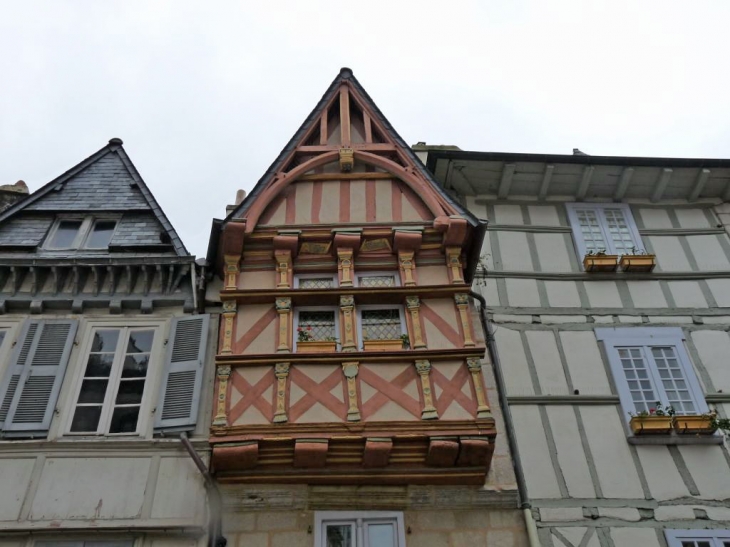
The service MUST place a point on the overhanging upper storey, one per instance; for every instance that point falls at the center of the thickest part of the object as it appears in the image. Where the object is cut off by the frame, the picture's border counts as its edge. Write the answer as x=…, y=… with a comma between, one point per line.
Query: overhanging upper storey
x=347, y=351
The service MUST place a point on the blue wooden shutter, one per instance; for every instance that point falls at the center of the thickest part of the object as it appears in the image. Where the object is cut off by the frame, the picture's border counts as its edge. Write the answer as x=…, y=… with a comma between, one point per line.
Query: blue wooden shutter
x=33, y=381
x=179, y=399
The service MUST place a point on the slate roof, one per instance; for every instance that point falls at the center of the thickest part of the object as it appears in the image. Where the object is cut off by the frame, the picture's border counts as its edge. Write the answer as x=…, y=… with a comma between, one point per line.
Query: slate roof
x=105, y=181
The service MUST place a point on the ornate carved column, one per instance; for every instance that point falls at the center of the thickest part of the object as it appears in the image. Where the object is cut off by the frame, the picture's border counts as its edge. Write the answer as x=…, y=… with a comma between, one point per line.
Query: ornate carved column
x=283, y=308
x=453, y=262
x=230, y=308
x=475, y=367
x=223, y=373
x=283, y=269
x=232, y=270
x=423, y=367
x=281, y=370
x=417, y=341
x=347, y=317
x=345, y=267
x=350, y=370
x=462, y=304
x=407, y=266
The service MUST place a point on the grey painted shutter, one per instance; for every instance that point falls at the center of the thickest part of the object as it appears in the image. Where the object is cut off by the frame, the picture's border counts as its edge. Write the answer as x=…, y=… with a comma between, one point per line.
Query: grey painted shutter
x=35, y=376
x=177, y=406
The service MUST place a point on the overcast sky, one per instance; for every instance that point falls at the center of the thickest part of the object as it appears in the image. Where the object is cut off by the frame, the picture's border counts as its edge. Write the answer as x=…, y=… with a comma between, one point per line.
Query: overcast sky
x=205, y=94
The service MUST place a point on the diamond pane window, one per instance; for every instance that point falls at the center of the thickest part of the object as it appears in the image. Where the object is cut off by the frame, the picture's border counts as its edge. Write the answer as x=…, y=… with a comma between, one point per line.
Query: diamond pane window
x=381, y=324
x=320, y=324
x=377, y=280
x=316, y=283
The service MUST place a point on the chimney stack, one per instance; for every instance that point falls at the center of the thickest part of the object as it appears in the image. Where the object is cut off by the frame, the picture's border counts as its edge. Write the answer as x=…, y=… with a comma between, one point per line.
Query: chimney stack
x=10, y=193
x=240, y=195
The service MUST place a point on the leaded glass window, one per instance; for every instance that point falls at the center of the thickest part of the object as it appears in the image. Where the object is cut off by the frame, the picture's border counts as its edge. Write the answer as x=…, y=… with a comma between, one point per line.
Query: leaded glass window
x=377, y=280
x=381, y=324
x=324, y=282
x=318, y=324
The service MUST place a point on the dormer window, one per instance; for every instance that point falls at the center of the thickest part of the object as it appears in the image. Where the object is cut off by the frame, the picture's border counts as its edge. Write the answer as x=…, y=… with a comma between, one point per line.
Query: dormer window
x=81, y=233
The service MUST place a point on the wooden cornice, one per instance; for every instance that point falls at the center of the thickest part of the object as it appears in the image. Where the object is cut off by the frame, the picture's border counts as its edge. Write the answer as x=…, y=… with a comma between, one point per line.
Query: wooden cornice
x=362, y=295
x=359, y=356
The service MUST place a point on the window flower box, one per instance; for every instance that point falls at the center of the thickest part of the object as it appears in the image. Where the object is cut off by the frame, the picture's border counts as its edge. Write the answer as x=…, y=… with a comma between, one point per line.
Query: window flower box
x=317, y=346
x=651, y=425
x=695, y=425
x=637, y=263
x=600, y=263
x=383, y=345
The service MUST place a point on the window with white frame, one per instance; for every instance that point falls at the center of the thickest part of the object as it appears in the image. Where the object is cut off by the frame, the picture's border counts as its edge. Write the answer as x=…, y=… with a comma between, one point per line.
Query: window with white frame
x=315, y=281
x=114, y=380
x=359, y=529
x=381, y=322
x=316, y=324
x=377, y=279
x=651, y=365
x=80, y=232
x=698, y=538
x=603, y=227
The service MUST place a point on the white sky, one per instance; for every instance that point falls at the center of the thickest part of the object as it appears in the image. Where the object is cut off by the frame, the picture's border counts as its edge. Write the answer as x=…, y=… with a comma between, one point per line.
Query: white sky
x=206, y=94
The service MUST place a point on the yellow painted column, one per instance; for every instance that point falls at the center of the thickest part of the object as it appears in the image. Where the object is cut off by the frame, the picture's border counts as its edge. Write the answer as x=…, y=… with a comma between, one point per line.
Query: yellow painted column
x=281, y=371
x=283, y=269
x=423, y=367
x=230, y=308
x=462, y=304
x=475, y=368
x=453, y=262
x=413, y=304
x=407, y=266
x=347, y=317
x=345, y=267
x=350, y=370
x=232, y=269
x=283, y=309
x=223, y=373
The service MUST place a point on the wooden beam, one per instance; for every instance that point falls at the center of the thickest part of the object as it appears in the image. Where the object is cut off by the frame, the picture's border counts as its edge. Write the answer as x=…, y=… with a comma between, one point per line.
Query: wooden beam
x=329, y=147
x=504, y=184
x=323, y=127
x=702, y=177
x=347, y=176
x=585, y=182
x=545, y=184
x=368, y=127
x=623, y=183
x=661, y=185
x=345, y=116
x=458, y=171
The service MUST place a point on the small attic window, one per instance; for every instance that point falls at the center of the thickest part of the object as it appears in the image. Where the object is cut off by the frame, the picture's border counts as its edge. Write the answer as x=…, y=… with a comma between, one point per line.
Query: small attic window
x=101, y=234
x=76, y=233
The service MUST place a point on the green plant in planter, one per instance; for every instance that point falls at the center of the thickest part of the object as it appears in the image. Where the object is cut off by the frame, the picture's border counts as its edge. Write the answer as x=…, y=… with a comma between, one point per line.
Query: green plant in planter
x=406, y=341
x=723, y=424
x=598, y=252
x=658, y=410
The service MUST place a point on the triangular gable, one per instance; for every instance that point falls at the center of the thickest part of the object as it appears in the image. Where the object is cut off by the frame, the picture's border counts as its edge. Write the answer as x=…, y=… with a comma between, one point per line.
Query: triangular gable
x=105, y=181
x=357, y=125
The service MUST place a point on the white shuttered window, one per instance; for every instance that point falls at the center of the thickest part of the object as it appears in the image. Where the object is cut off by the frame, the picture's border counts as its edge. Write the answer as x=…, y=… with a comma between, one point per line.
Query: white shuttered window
x=359, y=529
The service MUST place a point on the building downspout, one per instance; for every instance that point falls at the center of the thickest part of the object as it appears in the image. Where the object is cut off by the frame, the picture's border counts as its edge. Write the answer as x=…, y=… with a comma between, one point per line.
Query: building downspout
x=508, y=423
x=215, y=500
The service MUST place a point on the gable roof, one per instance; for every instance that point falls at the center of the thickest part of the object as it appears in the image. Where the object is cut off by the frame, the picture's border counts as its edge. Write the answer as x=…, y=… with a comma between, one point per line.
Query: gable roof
x=105, y=181
x=345, y=75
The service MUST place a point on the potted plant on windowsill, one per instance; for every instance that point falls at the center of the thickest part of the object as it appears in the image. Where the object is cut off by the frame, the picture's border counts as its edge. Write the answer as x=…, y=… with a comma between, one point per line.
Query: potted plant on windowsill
x=701, y=424
x=655, y=421
x=599, y=261
x=638, y=261
x=307, y=344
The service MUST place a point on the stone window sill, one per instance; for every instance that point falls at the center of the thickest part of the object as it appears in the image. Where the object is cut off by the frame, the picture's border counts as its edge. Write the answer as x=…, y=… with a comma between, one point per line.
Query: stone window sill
x=675, y=439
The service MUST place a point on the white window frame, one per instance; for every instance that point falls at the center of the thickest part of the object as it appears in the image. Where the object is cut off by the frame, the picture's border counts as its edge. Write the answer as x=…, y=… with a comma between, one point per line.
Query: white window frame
x=87, y=225
x=154, y=369
x=298, y=277
x=357, y=519
x=580, y=245
x=395, y=275
x=334, y=309
x=675, y=537
x=613, y=338
x=403, y=327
